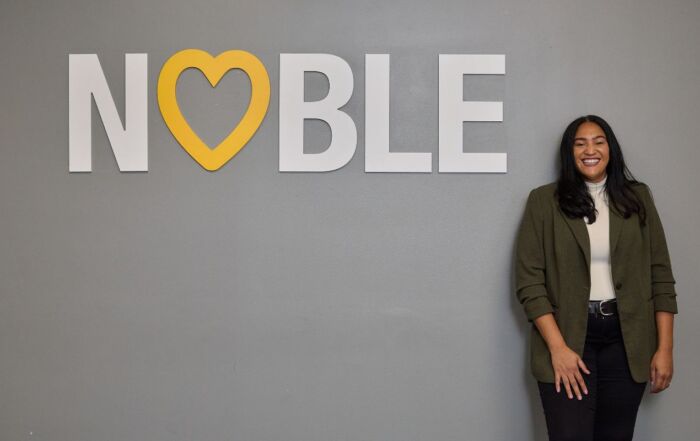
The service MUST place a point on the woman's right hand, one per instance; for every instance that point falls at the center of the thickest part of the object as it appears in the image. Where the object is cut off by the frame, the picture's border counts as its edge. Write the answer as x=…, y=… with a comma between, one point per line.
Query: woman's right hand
x=566, y=364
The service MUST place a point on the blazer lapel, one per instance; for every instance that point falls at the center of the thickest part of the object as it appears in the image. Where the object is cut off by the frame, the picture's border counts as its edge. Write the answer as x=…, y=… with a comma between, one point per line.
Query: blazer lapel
x=616, y=221
x=580, y=231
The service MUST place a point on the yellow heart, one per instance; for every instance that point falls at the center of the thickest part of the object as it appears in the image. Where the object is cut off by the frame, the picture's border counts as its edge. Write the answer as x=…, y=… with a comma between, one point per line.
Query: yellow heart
x=213, y=69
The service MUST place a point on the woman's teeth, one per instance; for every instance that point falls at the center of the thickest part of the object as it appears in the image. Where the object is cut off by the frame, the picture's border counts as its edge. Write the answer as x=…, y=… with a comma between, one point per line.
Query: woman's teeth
x=590, y=162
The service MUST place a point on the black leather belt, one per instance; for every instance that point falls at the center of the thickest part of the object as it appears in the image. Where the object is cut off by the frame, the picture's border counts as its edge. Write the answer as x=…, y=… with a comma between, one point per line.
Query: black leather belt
x=602, y=308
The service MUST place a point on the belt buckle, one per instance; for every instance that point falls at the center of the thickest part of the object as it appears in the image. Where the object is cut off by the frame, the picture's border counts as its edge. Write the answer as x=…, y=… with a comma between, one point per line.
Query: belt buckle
x=601, y=307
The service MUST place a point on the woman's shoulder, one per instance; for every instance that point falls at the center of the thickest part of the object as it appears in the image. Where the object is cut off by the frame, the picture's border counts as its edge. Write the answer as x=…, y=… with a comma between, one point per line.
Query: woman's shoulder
x=545, y=190
x=641, y=189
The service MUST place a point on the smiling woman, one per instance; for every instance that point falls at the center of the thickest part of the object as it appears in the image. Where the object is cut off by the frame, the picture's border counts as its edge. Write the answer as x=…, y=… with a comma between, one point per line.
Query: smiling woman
x=591, y=151
x=601, y=302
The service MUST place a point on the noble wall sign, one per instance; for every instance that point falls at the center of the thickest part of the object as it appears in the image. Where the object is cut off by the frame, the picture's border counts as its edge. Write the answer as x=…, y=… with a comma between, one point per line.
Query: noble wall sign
x=129, y=140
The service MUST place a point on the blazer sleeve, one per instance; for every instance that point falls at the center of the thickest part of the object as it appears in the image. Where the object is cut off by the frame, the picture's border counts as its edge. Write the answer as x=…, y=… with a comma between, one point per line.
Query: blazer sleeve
x=530, y=286
x=662, y=282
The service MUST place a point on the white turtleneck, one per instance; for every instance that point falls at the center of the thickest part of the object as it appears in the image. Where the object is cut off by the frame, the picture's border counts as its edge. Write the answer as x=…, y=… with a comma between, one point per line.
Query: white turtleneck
x=599, y=236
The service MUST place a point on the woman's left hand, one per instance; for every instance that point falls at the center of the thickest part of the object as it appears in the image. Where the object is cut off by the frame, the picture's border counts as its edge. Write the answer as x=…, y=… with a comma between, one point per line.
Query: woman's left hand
x=661, y=370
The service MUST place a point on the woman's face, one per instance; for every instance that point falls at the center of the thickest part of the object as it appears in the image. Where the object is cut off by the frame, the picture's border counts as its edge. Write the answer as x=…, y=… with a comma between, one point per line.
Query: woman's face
x=591, y=152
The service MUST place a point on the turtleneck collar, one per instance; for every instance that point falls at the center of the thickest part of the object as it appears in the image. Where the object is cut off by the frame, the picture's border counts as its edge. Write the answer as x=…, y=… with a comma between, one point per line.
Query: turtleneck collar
x=596, y=189
x=596, y=185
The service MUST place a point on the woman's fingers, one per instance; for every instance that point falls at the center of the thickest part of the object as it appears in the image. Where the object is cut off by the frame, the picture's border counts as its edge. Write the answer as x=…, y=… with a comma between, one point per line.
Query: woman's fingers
x=567, y=386
x=660, y=379
x=582, y=383
x=657, y=386
x=567, y=366
x=574, y=384
x=654, y=380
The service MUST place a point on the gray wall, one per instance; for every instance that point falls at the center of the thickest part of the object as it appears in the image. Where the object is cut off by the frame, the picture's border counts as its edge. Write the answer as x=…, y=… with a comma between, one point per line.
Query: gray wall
x=250, y=304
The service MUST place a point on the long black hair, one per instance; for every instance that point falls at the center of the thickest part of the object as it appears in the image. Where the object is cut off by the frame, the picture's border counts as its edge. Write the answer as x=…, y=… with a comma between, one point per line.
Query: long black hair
x=572, y=192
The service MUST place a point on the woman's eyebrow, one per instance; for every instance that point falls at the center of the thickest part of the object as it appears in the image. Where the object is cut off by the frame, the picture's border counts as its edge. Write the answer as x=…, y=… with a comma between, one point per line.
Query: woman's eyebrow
x=583, y=139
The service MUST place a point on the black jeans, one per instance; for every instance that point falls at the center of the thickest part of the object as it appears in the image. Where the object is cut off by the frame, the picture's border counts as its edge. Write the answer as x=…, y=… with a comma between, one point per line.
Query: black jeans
x=609, y=411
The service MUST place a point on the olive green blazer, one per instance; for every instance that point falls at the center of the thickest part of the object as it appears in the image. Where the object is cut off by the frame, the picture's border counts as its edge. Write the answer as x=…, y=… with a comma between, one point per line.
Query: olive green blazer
x=553, y=275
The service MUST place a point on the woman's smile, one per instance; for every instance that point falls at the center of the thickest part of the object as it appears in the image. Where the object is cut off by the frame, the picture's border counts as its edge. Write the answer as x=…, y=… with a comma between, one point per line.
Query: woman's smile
x=591, y=151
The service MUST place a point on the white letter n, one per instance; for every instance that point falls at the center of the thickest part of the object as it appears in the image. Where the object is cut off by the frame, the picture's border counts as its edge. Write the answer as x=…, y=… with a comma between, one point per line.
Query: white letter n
x=130, y=140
